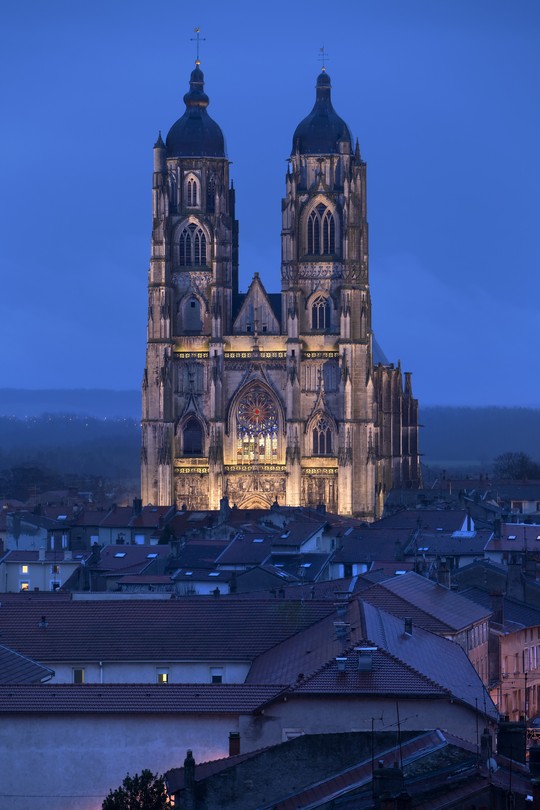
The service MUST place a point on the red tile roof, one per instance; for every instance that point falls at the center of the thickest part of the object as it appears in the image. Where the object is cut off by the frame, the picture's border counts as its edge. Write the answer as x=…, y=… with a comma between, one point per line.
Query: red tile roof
x=190, y=628
x=134, y=698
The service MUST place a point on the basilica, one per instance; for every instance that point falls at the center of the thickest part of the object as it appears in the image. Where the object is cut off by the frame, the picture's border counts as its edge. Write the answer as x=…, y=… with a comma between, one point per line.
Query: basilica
x=266, y=397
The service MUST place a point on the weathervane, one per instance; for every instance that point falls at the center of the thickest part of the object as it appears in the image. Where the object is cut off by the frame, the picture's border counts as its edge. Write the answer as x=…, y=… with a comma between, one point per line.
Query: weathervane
x=323, y=57
x=197, y=39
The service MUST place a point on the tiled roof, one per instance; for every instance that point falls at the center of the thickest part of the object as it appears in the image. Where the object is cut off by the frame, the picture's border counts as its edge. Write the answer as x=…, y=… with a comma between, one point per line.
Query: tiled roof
x=134, y=698
x=388, y=676
x=17, y=668
x=517, y=612
x=455, y=543
x=252, y=549
x=198, y=553
x=28, y=556
x=151, y=517
x=368, y=544
x=441, y=661
x=446, y=607
x=117, y=517
x=191, y=628
x=445, y=519
x=132, y=559
x=307, y=652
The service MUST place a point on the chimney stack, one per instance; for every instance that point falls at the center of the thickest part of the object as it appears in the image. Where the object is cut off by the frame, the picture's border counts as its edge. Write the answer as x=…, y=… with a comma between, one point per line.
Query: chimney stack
x=407, y=629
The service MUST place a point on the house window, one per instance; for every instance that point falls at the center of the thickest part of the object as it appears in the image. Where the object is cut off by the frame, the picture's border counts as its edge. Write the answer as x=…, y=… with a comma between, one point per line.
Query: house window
x=55, y=584
x=24, y=586
x=54, y=569
x=322, y=438
x=216, y=675
x=321, y=232
x=162, y=675
x=24, y=569
x=320, y=314
x=192, y=246
x=78, y=675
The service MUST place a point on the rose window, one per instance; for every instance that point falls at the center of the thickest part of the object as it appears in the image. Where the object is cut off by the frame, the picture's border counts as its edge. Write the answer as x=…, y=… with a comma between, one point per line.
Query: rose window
x=256, y=428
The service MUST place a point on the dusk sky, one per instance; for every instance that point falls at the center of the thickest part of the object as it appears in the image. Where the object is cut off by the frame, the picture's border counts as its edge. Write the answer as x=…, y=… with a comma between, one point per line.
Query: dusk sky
x=443, y=96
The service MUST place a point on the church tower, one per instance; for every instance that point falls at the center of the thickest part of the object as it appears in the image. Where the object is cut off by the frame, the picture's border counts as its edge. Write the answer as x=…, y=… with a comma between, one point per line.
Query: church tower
x=268, y=397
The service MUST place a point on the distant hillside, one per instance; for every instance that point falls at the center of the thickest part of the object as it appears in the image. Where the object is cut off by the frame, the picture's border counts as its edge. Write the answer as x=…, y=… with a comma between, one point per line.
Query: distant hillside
x=101, y=404
x=450, y=436
x=475, y=436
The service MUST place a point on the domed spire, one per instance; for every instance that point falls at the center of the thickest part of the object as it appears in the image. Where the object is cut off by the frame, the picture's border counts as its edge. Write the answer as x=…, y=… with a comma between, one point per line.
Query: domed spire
x=195, y=134
x=321, y=132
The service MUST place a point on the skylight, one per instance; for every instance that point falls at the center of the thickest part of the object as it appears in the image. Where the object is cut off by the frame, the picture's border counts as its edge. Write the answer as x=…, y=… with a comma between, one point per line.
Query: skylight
x=151, y=556
x=188, y=573
x=258, y=540
x=120, y=554
x=214, y=573
x=512, y=537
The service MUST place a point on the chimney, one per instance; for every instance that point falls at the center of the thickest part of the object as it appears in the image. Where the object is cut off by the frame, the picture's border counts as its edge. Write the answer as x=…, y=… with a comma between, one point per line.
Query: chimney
x=407, y=629
x=497, y=607
x=365, y=658
x=68, y=555
x=515, y=586
x=341, y=662
x=136, y=507
x=486, y=746
x=41, y=554
x=469, y=522
x=234, y=743
x=189, y=782
x=443, y=574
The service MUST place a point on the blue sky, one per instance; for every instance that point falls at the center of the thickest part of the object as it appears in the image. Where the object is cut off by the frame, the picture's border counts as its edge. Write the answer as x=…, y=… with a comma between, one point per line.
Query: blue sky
x=443, y=97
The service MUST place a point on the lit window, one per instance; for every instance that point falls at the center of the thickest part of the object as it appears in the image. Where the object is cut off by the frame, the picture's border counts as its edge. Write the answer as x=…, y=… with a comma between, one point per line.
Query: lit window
x=162, y=675
x=24, y=569
x=78, y=675
x=25, y=586
x=256, y=427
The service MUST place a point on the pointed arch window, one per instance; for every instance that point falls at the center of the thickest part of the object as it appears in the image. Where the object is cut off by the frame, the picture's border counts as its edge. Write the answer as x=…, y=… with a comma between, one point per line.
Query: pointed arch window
x=320, y=314
x=321, y=232
x=192, y=438
x=211, y=195
x=322, y=437
x=192, y=246
x=256, y=427
x=192, y=192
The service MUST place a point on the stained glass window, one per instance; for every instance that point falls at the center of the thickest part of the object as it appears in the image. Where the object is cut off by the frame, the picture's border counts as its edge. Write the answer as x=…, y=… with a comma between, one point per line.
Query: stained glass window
x=256, y=427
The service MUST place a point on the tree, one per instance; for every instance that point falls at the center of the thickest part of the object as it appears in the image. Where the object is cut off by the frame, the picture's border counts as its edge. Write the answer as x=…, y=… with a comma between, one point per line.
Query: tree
x=140, y=792
x=517, y=466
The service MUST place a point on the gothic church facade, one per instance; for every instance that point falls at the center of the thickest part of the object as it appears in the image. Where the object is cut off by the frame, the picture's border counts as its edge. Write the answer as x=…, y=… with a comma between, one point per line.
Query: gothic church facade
x=268, y=397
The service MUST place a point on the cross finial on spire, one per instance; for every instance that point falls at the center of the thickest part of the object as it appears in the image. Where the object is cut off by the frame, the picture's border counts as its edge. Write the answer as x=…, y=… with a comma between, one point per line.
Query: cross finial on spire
x=198, y=39
x=323, y=57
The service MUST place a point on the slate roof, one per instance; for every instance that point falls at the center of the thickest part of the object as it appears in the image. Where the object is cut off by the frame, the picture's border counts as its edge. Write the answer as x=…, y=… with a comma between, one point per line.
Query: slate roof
x=449, y=520
x=441, y=661
x=17, y=668
x=134, y=559
x=451, y=543
x=191, y=628
x=368, y=544
x=517, y=612
x=134, y=698
x=247, y=550
x=307, y=652
x=430, y=605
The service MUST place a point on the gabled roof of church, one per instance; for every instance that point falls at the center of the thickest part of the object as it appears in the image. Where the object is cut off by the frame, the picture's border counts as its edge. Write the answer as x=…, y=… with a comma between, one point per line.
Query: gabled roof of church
x=241, y=300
